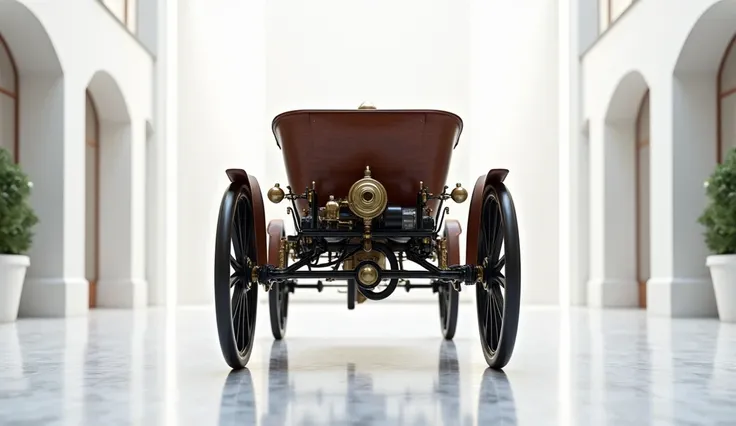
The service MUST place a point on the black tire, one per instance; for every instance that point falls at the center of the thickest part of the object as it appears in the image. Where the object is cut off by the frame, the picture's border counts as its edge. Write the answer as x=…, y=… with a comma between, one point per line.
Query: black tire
x=449, y=299
x=352, y=294
x=278, y=306
x=236, y=299
x=499, y=295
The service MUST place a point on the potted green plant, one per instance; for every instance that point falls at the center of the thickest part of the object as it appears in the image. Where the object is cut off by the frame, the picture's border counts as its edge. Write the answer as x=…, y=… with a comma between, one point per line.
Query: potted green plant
x=719, y=219
x=17, y=219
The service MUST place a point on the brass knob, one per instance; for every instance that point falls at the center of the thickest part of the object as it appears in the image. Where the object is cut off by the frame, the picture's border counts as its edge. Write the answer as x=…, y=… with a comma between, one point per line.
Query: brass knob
x=276, y=194
x=368, y=275
x=332, y=209
x=459, y=194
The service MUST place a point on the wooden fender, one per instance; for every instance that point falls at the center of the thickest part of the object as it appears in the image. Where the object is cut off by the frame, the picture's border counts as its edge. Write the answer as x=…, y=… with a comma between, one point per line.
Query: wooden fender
x=476, y=204
x=240, y=177
x=275, y=234
x=452, y=235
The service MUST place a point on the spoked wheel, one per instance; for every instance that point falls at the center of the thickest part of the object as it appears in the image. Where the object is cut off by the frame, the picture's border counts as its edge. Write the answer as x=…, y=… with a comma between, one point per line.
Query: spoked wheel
x=498, y=295
x=236, y=298
x=449, y=297
x=278, y=296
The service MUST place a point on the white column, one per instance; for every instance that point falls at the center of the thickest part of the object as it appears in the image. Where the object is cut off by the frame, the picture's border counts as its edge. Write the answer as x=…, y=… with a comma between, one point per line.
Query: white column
x=683, y=155
x=52, y=153
x=167, y=115
x=612, y=216
x=122, y=215
x=221, y=124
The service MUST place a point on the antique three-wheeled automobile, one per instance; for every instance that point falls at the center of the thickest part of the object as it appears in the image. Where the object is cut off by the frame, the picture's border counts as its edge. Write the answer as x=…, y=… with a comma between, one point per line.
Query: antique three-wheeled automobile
x=366, y=193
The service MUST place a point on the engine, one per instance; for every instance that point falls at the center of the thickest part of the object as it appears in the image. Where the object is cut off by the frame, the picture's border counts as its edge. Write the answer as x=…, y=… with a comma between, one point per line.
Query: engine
x=366, y=207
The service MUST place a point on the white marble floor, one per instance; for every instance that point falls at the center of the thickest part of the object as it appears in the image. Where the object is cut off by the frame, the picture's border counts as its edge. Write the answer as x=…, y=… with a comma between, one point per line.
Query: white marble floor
x=381, y=364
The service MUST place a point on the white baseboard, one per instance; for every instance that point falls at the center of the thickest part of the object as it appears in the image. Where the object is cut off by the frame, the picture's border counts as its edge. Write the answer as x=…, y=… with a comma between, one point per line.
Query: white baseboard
x=122, y=294
x=681, y=298
x=54, y=297
x=613, y=294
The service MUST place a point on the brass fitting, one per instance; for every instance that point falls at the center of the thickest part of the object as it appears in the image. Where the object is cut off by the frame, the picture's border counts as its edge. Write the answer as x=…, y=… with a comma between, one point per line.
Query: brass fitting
x=443, y=253
x=368, y=275
x=367, y=197
x=276, y=194
x=332, y=209
x=459, y=194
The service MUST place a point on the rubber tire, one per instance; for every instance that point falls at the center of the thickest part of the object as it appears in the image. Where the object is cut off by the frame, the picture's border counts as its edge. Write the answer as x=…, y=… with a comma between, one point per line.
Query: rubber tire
x=512, y=291
x=225, y=328
x=278, y=330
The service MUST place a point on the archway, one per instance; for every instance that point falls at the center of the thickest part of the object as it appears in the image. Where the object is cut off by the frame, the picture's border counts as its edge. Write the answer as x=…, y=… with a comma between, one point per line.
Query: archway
x=618, y=198
x=683, y=286
x=92, y=210
x=8, y=100
x=727, y=101
x=642, y=199
x=109, y=194
x=51, y=287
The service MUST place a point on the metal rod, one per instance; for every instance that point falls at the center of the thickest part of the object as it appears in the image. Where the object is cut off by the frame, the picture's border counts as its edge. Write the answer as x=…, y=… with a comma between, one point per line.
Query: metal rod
x=285, y=274
x=375, y=234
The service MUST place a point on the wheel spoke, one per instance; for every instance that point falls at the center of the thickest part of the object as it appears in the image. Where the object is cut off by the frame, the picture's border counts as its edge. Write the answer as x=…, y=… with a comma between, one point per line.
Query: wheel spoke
x=499, y=264
x=235, y=264
x=245, y=319
x=500, y=280
x=237, y=236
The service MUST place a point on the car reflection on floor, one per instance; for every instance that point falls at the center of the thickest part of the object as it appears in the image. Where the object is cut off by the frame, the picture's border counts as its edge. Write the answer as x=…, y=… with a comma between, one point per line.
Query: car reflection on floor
x=360, y=403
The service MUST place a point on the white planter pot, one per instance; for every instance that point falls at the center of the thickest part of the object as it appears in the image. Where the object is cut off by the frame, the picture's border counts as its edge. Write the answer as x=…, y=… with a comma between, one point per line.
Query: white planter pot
x=723, y=273
x=12, y=274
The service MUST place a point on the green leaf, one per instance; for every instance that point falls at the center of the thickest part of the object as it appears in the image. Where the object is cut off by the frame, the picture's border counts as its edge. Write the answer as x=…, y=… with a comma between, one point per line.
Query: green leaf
x=17, y=218
x=719, y=217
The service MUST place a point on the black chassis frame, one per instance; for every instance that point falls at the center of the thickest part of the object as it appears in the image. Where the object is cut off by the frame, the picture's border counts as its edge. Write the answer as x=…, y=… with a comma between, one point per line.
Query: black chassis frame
x=454, y=274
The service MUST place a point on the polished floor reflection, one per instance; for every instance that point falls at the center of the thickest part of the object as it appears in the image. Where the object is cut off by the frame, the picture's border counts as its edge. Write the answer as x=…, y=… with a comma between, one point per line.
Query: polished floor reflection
x=382, y=364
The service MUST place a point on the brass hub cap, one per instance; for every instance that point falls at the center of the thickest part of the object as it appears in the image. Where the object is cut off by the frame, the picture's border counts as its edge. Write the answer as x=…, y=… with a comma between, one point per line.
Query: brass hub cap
x=368, y=275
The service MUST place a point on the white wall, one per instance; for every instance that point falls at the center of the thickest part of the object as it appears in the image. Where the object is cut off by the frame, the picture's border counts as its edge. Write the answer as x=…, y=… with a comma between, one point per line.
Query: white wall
x=514, y=119
x=44, y=44
x=221, y=122
x=678, y=60
x=336, y=54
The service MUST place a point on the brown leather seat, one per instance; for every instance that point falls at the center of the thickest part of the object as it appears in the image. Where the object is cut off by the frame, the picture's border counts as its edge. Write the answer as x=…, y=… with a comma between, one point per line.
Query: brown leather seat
x=401, y=147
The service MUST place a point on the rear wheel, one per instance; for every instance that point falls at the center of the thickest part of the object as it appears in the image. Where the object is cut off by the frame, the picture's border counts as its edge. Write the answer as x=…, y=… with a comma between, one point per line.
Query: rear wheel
x=449, y=297
x=236, y=297
x=498, y=295
x=278, y=296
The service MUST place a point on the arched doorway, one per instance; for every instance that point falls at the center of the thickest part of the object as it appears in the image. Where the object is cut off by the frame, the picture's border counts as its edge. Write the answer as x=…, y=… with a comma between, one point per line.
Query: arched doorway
x=642, y=199
x=116, y=266
x=53, y=286
x=727, y=102
x=681, y=284
x=618, y=202
x=8, y=100
x=92, y=204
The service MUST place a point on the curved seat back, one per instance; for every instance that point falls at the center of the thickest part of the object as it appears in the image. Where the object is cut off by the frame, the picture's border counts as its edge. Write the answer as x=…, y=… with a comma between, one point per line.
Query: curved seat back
x=401, y=147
